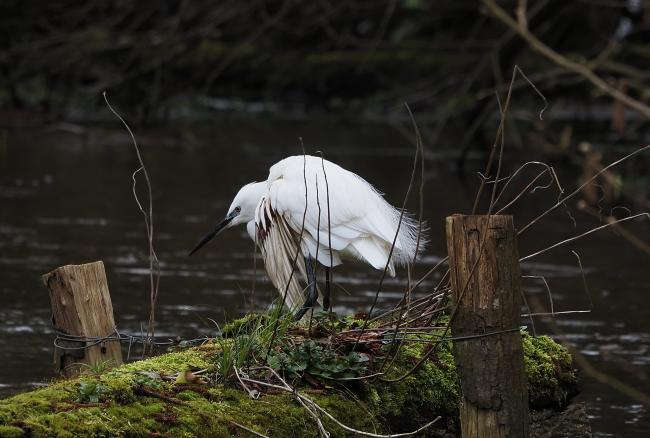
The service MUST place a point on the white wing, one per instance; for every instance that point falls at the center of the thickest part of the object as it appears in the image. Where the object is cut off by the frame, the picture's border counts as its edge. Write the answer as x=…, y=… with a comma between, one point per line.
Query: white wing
x=278, y=249
x=360, y=220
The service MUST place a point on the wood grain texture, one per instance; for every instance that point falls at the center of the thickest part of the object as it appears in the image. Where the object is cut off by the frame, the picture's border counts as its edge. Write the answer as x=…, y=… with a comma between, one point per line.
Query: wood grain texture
x=81, y=306
x=486, y=282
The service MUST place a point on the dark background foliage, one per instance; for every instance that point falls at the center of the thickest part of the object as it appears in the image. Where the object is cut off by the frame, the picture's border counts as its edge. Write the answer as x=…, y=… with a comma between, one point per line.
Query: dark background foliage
x=362, y=55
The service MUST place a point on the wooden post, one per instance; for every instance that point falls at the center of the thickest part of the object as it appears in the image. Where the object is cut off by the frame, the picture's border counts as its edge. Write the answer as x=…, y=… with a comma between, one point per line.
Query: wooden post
x=81, y=306
x=486, y=284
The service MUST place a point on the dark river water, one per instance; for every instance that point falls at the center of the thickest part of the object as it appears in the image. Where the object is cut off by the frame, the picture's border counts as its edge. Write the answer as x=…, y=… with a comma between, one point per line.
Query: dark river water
x=66, y=198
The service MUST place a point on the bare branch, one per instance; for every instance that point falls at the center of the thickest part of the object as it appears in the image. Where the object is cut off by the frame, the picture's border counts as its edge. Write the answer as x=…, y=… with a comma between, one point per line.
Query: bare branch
x=580, y=69
x=154, y=277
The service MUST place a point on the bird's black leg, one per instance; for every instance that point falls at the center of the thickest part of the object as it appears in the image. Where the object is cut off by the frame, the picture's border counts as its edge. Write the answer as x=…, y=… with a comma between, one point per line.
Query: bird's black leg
x=312, y=293
x=326, y=296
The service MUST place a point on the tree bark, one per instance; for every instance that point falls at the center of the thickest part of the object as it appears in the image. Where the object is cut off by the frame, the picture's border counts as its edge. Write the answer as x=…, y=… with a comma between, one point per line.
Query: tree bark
x=486, y=285
x=81, y=307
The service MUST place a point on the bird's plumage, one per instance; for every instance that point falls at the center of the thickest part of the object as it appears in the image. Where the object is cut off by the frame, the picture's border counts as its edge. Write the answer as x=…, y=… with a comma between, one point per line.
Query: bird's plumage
x=315, y=208
x=361, y=222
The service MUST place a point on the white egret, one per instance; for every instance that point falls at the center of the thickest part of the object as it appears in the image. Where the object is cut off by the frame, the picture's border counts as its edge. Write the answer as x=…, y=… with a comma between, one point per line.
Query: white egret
x=332, y=213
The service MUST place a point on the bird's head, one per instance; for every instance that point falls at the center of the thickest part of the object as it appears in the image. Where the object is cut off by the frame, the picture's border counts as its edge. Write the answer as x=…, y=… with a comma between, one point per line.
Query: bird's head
x=243, y=206
x=241, y=211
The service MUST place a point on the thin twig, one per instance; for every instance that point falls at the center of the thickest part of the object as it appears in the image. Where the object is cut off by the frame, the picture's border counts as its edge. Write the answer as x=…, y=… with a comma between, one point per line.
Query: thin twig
x=329, y=226
x=548, y=288
x=309, y=404
x=586, y=233
x=579, y=189
x=406, y=299
x=461, y=293
x=154, y=278
x=241, y=426
x=392, y=247
x=252, y=394
x=623, y=232
x=584, y=279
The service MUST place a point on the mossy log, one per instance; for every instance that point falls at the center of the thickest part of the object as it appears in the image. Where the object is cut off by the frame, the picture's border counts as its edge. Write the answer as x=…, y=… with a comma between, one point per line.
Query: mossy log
x=137, y=400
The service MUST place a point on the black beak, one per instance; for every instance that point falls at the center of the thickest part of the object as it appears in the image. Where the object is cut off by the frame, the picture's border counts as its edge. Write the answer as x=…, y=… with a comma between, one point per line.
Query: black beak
x=214, y=232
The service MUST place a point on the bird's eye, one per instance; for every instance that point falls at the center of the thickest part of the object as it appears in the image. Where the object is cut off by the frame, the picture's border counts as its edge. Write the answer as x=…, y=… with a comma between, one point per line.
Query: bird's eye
x=237, y=209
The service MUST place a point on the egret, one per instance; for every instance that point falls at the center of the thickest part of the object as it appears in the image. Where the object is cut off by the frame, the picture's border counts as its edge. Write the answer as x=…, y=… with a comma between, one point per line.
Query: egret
x=312, y=207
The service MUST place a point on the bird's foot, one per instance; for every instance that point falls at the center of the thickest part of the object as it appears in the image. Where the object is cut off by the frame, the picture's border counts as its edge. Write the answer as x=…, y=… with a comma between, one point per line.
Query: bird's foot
x=310, y=302
x=326, y=297
x=300, y=313
x=312, y=293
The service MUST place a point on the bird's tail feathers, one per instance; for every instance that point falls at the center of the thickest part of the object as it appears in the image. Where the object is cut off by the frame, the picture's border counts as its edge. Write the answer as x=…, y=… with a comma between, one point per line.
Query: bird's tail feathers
x=412, y=235
x=411, y=238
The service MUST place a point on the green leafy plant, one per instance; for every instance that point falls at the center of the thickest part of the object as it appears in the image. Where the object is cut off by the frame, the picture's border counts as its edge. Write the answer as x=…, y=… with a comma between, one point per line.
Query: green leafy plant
x=235, y=352
x=150, y=379
x=96, y=368
x=247, y=340
x=318, y=360
x=89, y=391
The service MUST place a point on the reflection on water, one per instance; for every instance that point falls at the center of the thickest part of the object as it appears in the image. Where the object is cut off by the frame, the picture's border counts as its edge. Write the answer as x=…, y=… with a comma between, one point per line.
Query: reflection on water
x=67, y=199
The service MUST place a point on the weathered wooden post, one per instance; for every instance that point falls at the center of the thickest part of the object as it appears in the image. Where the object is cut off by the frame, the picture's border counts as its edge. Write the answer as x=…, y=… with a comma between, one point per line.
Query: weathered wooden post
x=486, y=284
x=81, y=307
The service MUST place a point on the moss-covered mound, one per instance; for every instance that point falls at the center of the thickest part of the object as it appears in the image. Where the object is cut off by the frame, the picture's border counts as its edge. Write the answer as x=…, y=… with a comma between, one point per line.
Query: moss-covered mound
x=194, y=392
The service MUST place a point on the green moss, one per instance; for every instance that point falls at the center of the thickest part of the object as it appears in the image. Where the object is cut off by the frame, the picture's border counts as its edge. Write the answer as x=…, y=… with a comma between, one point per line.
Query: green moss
x=135, y=400
x=551, y=376
x=409, y=402
x=11, y=432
